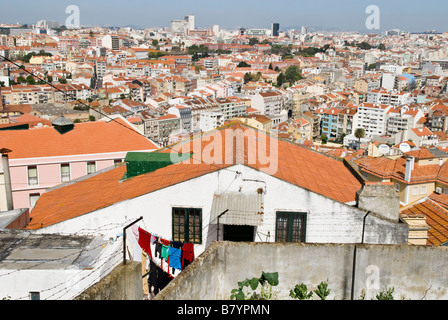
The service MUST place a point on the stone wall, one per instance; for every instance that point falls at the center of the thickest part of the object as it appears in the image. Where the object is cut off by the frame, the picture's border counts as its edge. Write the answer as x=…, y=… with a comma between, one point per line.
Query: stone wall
x=123, y=283
x=414, y=272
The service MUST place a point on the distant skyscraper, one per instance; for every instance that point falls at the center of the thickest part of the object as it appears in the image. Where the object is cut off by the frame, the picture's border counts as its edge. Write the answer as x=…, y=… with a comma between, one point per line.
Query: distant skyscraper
x=190, y=19
x=275, y=29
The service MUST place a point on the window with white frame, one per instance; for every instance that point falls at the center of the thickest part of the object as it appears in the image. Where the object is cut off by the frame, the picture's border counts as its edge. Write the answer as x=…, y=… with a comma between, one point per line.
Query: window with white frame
x=65, y=172
x=32, y=176
x=423, y=190
x=415, y=191
x=91, y=167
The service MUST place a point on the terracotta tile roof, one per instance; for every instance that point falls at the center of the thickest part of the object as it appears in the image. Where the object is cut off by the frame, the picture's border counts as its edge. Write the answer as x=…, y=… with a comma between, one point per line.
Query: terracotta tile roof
x=441, y=199
x=436, y=218
x=395, y=169
x=297, y=165
x=85, y=138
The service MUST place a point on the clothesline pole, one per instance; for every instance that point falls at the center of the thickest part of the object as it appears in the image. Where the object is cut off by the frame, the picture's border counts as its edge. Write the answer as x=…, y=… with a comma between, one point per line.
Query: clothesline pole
x=217, y=233
x=124, y=238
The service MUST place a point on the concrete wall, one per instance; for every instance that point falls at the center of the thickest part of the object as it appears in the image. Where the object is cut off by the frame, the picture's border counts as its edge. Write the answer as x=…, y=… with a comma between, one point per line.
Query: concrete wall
x=123, y=283
x=415, y=272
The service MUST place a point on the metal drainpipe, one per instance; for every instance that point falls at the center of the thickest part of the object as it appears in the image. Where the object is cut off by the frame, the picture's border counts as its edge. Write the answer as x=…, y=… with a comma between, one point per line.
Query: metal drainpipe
x=124, y=238
x=217, y=231
x=7, y=176
x=354, y=256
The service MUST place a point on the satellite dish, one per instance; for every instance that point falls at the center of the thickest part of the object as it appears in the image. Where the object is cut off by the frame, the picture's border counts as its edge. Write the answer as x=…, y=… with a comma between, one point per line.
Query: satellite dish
x=384, y=149
x=404, y=147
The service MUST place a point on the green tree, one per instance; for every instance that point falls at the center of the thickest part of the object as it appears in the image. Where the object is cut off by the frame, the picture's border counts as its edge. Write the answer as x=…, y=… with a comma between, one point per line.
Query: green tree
x=155, y=55
x=360, y=133
x=382, y=47
x=30, y=80
x=63, y=81
x=253, y=41
x=248, y=77
x=292, y=74
x=21, y=79
x=371, y=66
x=155, y=42
x=243, y=64
x=280, y=79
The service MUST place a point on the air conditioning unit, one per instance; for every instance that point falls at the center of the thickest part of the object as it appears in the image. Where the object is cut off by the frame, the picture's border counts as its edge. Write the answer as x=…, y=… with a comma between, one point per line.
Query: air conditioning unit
x=439, y=190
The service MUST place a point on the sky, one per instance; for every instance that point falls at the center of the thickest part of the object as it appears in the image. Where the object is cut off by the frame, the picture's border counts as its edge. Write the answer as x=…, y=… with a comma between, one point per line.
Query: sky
x=335, y=15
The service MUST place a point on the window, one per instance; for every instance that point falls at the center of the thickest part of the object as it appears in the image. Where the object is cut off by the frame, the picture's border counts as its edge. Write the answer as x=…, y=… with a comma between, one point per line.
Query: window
x=34, y=295
x=117, y=161
x=415, y=191
x=65, y=172
x=32, y=176
x=397, y=187
x=91, y=167
x=187, y=225
x=423, y=190
x=33, y=199
x=290, y=227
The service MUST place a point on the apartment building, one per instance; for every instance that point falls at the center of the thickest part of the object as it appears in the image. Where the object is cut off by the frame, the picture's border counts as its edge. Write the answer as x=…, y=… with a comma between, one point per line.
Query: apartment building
x=184, y=114
x=167, y=124
x=381, y=96
x=329, y=121
x=402, y=119
x=268, y=103
x=372, y=118
x=231, y=107
x=210, y=120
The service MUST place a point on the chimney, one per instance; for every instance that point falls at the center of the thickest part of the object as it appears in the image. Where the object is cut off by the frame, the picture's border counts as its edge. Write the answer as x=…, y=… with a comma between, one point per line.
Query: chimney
x=409, y=168
x=380, y=198
x=6, y=174
x=440, y=161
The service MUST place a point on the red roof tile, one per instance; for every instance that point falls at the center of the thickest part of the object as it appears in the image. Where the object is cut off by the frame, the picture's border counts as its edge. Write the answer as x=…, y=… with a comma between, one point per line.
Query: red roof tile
x=436, y=218
x=296, y=165
x=85, y=138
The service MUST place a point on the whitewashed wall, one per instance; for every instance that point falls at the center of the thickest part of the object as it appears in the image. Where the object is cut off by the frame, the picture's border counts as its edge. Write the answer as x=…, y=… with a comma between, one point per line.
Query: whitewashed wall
x=328, y=221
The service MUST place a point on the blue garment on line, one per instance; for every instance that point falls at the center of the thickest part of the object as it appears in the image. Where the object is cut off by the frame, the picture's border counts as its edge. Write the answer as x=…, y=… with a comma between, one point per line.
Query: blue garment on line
x=175, y=258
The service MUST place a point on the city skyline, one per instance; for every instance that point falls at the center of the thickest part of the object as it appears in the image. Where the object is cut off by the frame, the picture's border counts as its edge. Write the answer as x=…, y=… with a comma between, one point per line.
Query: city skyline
x=345, y=15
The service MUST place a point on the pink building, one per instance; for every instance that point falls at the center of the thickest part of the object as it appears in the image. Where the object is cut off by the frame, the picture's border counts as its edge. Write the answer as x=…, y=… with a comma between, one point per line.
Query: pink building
x=45, y=157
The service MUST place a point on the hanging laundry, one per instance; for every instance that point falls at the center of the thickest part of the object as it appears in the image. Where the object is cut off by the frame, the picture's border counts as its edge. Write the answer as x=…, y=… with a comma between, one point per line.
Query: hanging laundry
x=165, y=242
x=187, y=254
x=153, y=238
x=144, y=240
x=158, y=250
x=176, y=244
x=165, y=252
x=152, y=277
x=175, y=256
